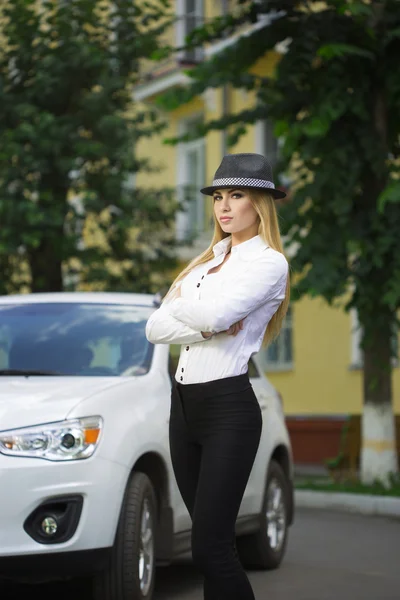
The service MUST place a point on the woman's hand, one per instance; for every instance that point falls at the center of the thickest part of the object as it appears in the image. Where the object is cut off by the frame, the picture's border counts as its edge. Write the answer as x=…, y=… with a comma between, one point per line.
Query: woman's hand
x=206, y=334
x=233, y=330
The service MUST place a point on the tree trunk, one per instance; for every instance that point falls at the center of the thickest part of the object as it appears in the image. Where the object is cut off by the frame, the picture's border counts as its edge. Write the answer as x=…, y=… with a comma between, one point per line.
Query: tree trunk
x=378, y=452
x=46, y=266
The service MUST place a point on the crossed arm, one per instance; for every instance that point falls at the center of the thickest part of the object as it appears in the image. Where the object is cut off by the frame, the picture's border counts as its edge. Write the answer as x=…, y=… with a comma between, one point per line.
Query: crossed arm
x=258, y=283
x=185, y=320
x=163, y=328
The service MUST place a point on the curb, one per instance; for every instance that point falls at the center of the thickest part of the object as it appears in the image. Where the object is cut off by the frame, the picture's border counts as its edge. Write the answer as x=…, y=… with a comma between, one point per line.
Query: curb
x=383, y=506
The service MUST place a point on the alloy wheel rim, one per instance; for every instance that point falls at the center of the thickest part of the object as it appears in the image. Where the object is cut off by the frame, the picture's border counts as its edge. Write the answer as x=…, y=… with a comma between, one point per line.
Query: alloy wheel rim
x=276, y=515
x=146, y=550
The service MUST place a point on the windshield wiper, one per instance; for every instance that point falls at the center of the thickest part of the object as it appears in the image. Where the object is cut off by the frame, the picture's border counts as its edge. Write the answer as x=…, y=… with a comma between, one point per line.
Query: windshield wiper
x=27, y=372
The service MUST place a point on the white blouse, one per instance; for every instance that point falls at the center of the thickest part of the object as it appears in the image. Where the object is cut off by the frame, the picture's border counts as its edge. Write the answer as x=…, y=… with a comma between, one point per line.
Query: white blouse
x=251, y=284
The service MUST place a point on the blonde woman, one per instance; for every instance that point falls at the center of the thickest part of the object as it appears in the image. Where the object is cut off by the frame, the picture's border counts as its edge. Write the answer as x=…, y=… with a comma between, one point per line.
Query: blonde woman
x=220, y=308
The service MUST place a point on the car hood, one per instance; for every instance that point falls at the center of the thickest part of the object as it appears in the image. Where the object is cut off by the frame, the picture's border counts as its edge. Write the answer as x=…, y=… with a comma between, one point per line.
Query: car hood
x=26, y=401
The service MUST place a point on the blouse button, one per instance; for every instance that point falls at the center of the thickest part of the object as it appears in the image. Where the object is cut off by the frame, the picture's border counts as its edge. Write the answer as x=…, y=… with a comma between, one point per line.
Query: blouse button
x=203, y=277
x=187, y=347
x=181, y=378
x=198, y=285
x=182, y=370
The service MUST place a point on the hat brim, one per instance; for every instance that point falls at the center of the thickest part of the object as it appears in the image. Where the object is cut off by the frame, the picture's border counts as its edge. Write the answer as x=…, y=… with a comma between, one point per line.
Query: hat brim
x=276, y=194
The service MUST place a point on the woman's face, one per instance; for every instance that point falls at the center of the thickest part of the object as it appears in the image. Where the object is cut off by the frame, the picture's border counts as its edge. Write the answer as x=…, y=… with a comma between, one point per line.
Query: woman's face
x=235, y=213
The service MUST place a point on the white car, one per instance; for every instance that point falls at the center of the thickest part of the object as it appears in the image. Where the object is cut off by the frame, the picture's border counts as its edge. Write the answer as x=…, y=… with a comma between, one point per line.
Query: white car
x=87, y=487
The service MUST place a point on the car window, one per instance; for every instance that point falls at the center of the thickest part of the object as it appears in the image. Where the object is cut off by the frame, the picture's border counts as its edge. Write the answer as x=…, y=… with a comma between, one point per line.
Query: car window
x=75, y=338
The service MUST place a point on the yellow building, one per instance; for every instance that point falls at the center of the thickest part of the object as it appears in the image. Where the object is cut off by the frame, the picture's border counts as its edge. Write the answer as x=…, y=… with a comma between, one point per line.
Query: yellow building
x=316, y=361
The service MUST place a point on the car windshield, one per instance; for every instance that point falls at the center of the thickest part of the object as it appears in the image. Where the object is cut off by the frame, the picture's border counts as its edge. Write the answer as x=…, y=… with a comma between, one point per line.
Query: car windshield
x=74, y=339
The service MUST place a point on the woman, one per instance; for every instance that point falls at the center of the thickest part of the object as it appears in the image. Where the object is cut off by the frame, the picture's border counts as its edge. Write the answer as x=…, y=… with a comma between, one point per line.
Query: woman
x=220, y=308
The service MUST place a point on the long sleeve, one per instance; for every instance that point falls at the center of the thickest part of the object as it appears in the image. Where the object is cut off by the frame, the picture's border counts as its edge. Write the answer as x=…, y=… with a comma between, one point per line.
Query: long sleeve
x=163, y=328
x=255, y=283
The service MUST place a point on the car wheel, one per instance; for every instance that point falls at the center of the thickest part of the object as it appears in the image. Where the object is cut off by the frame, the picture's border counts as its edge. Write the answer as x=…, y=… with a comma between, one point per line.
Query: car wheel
x=265, y=548
x=130, y=573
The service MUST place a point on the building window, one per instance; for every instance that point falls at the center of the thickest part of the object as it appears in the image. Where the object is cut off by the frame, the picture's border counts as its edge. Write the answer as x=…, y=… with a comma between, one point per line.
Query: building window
x=190, y=221
x=356, y=352
x=190, y=14
x=278, y=356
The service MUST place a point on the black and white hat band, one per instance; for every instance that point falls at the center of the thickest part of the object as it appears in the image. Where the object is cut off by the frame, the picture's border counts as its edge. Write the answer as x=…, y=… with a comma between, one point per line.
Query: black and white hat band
x=243, y=182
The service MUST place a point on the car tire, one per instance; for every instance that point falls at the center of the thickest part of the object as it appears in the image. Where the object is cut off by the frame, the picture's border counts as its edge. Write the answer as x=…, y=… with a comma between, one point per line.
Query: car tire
x=265, y=548
x=130, y=573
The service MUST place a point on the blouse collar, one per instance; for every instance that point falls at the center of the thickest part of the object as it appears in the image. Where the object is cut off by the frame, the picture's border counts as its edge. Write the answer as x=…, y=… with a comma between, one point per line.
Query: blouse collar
x=247, y=248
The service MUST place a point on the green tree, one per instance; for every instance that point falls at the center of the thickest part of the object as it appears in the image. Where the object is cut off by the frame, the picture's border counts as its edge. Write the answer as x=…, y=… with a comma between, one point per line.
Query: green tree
x=68, y=127
x=335, y=101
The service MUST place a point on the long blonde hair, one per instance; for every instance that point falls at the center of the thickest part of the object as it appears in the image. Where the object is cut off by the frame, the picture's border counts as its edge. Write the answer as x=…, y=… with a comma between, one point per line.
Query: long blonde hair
x=268, y=230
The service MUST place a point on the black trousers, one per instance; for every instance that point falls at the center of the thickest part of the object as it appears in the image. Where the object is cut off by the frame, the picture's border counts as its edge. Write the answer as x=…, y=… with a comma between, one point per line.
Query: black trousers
x=215, y=429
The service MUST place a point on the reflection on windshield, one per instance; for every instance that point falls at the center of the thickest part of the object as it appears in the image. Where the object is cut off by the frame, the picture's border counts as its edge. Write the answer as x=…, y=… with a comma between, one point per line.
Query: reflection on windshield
x=75, y=339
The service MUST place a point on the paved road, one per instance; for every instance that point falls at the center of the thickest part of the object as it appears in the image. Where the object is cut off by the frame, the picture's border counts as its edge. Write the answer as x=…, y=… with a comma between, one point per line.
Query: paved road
x=331, y=556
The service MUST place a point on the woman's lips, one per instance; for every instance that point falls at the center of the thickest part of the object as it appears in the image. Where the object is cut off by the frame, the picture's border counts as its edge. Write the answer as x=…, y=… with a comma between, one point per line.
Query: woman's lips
x=225, y=219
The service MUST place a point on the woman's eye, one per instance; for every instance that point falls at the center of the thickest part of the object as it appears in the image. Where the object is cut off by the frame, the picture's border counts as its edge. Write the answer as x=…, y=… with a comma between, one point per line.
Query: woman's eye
x=217, y=198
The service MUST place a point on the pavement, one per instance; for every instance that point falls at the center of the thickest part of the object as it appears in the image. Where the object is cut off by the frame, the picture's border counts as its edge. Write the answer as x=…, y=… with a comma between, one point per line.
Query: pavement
x=385, y=506
x=303, y=471
x=372, y=505
x=331, y=555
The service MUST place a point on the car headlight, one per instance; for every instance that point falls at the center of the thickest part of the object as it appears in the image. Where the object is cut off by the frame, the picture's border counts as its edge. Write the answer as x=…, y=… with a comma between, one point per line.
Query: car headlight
x=65, y=440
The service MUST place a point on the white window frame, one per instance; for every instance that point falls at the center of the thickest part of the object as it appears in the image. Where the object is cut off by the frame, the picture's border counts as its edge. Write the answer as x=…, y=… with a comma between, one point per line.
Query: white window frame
x=185, y=229
x=356, y=352
x=197, y=54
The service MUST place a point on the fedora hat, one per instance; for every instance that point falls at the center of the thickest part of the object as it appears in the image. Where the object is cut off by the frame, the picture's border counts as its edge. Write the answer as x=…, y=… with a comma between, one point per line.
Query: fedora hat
x=244, y=170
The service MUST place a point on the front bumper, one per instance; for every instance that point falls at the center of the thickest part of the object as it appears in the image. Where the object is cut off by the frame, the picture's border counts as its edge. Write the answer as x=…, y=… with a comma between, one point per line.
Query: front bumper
x=27, y=483
x=38, y=568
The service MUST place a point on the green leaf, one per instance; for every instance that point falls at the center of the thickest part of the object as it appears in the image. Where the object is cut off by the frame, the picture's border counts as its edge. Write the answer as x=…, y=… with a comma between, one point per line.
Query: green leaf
x=335, y=50
x=316, y=127
x=391, y=194
x=389, y=36
x=356, y=8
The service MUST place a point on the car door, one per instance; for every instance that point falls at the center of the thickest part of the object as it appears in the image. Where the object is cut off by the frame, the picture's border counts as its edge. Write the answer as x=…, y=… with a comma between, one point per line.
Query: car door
x=255, y=487
x=182, y=519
